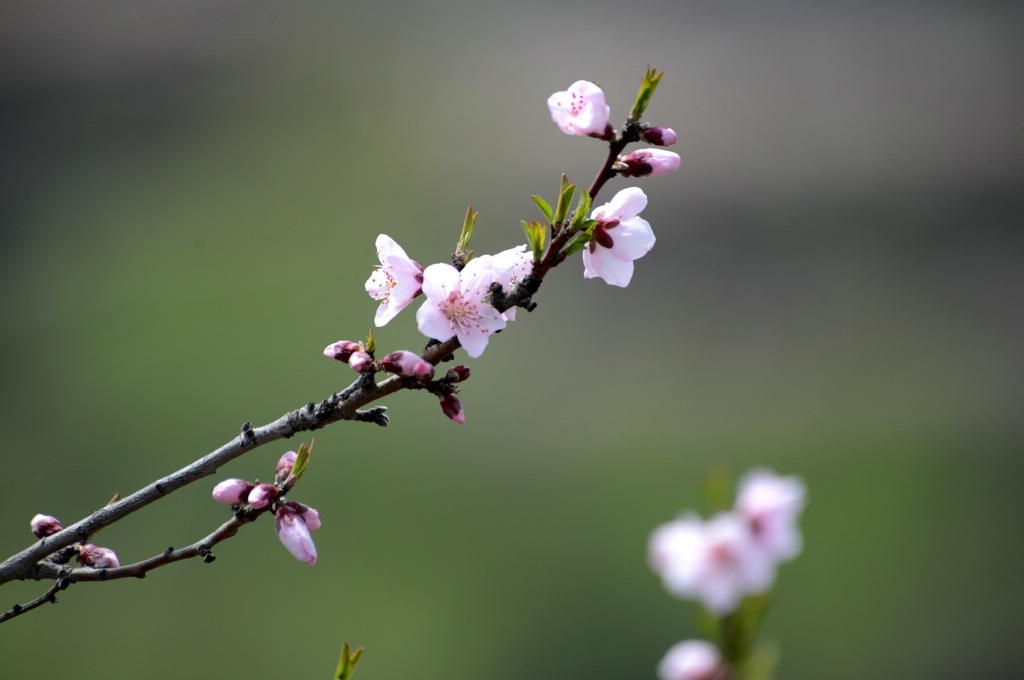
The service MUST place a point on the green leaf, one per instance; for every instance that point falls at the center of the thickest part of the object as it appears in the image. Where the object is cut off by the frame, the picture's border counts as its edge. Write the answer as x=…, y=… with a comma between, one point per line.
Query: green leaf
x=462, y=251
x=565, y=195
x=348, y=661
x=301, y=461
x=544, y=206
x=582, y=208
x=535, y=236
x=577, y=243
x=371, y=341
x=650, y=83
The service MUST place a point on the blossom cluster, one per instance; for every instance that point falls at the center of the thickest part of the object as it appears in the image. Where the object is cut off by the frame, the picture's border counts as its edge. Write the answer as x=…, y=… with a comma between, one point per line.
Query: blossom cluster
x=292, y=520
x=720, y=561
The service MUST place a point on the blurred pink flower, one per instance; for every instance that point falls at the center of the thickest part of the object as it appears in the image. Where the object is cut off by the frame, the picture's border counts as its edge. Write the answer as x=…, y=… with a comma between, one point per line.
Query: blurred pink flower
x=692, y=660
x=772, y=504
x=580, y=110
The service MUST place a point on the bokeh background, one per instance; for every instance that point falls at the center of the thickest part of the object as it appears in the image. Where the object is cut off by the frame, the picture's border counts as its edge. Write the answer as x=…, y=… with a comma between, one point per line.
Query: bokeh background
x=190, y=194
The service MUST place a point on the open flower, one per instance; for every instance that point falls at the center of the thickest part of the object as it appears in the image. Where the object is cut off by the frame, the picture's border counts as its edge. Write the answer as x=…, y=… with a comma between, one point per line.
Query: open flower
x=716, y=562
x=772, y=504
x=458, y=305
x=581, y=110
x=620, y=237
x=510, y=267
x=692, y=660
x=395, y=282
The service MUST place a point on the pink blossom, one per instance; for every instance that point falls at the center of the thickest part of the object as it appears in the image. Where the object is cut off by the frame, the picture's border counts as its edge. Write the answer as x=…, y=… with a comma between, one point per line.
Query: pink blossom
x=98, y=558
x=660, y=135
x=395, y=282
x=716, y=562
x=404, y=362
x=510, y=267
x=692, y=660
x=293, y=531
x=262, y=495
x=772, y=505
x=452, y=407
x=45, y=525
x=232, y=491
x=361, y=362
x=581, y=110
x=620, y=237
x=342, y=350
x=458, y=305
x=650, y=163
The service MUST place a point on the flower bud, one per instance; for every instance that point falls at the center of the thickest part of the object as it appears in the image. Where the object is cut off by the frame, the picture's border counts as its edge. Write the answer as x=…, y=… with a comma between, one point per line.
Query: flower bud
x=660, y=135
x=361, y=362
x=45, y=525
x=262, y=495
x=452, y=407
x=232, y=491
x=404, y=362
x=285, y=465
x=98, y=558
x=293, y=532
x=342, y=350
x=649, y=163
x=693, y=660
x=309, y=515
x=457, y=374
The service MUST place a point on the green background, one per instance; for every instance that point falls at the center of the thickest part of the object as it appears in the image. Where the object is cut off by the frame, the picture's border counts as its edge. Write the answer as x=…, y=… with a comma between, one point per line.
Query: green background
x=190, y=195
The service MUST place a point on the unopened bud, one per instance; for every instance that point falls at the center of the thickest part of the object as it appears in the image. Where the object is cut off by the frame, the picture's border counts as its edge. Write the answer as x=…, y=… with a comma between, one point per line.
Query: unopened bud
x=232, y=491
x=285, y=465
x=98, y=558
x=45, y=525
x=452, y=407
x=293, y=532
x=309, y=515
x=342, y=350
x=262, y=495
x=457, y=374
x=361, y=362
x=404, y=362
x=660, y=135
x=649, y=163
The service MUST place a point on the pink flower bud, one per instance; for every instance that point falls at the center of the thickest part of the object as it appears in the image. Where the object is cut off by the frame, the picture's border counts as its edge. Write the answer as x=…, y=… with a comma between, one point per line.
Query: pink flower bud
x=45, y=525
x=293, y=532
x=309, y=515
x=361, y=362
x=404, y=362
x=693, y=660
x=660, y=135
x=457, y=374
x=262, y=495
x=232, y=491
x=98, y=558
x=342, y=350
x=285, y=465
x=452, y=407
x=650, y=163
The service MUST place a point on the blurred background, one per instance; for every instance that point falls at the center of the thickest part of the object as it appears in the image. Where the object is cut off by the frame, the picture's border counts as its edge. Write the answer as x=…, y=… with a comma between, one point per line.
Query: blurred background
x=190, y=196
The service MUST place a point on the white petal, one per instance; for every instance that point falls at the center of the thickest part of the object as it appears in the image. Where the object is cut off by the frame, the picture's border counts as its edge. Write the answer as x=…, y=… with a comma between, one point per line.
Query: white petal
x=439, y=280
x=433, y=323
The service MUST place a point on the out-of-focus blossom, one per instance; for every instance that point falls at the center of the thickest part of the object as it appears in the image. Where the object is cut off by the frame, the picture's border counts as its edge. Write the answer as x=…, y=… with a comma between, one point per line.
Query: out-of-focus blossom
x=692, y=660
x=650, y=163
x=581, y=110
x=45, y=525
x=293, y=531
x=342, y=350
x=620, y=237
x=361, y=362
x=772, y=504
x=395, y=282
x=232, y=491
x=660, y=135
x=510, y=267
x=98, y=558
x=262, y=495
x=452, y=407
x=404, y=362
x=716, y=562
x=458, y=305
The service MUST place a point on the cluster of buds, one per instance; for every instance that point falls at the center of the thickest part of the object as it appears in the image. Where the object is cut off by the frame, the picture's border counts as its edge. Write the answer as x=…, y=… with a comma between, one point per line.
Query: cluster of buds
x=292, y=520
x=732, y=555
x=88, y=555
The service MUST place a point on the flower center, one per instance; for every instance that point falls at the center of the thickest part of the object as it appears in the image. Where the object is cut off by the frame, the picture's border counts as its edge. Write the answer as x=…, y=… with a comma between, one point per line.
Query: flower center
x=459, y=312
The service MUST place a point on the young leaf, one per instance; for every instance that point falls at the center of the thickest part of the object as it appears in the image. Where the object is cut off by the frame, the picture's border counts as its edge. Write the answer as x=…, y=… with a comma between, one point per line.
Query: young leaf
x=647, y=88
x=348, y=661
x=301, y=461
x=582, y=208
x=564, y=200
x=544, y=206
